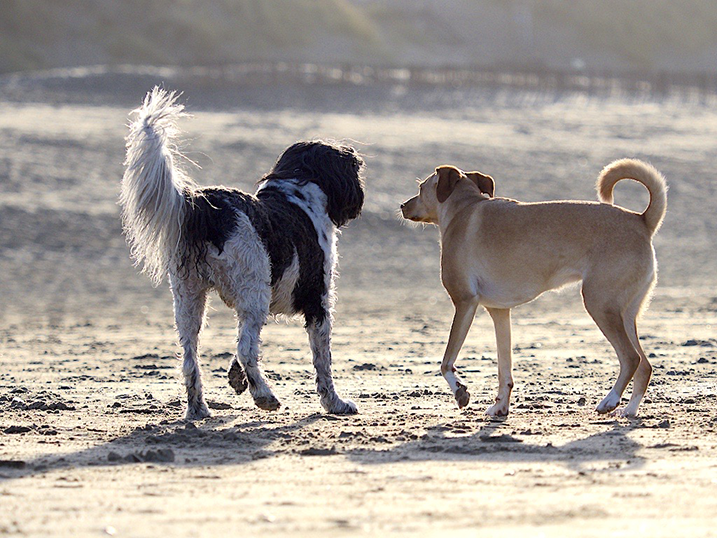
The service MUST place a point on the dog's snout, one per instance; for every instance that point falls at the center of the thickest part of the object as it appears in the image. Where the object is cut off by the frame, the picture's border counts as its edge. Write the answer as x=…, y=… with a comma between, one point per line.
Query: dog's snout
x=403, y=205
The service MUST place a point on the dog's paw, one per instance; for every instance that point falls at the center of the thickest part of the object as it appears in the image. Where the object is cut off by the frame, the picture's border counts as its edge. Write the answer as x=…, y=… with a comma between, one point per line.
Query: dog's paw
x=237, y=377
x=626, y=412
x=497, y=410
x=341, y=407
x=462, y=396
x=267, y=403
x=611, y=401
x=197, y=412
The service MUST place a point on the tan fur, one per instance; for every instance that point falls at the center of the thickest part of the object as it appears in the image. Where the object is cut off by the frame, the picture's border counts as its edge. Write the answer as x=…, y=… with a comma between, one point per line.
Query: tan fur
x=499, y=253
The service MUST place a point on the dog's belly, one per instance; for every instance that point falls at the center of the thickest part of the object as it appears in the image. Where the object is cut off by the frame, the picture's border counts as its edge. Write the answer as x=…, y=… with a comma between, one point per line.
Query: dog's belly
x=507, y=294
x=563, y=277
x=282, y=294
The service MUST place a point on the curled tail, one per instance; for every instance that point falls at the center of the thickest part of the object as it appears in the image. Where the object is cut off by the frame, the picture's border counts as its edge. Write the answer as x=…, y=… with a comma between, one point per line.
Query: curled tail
x=154, y=188
x=644, y=173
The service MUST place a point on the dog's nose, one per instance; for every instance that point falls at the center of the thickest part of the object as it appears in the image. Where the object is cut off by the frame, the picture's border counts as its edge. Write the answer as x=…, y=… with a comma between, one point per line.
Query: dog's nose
x=403, y=205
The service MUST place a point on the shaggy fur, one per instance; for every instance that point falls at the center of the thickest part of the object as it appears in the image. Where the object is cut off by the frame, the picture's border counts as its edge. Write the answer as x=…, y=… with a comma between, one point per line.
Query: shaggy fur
x=273, y=252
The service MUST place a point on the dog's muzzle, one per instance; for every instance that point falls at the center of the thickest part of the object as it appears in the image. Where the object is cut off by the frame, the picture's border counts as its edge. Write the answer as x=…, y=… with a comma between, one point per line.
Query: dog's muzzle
x=404, y=209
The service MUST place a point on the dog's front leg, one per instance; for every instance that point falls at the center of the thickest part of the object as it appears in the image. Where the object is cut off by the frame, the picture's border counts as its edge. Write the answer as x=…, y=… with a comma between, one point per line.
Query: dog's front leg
x=462, y=320
x=319, y=332
x=501, y=321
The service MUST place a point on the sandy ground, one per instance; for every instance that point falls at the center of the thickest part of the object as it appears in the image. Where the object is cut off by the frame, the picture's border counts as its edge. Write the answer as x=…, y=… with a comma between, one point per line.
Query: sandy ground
x=91, y=437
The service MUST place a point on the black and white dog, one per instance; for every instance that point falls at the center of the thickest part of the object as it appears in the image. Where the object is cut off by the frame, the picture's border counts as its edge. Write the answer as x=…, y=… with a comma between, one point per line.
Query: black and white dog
x=273, y=252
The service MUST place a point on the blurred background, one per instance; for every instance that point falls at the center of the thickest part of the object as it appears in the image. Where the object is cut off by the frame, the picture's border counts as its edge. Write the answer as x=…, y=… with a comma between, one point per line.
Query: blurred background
x=615, y=35
x=541, y=94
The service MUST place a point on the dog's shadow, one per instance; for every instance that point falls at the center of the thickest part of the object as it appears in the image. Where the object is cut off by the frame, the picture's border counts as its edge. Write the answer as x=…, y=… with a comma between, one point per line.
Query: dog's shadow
x=216, y=442
x=176, y=443
x=607, y=450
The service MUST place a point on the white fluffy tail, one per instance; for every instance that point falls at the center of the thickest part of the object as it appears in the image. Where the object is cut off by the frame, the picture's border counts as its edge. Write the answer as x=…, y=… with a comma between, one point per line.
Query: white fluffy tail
x=644, y=173
x=153, y=186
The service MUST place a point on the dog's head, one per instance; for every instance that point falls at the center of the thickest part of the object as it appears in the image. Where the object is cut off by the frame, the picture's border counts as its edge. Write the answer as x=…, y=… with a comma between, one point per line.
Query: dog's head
x=336, y=168
x=438, y=187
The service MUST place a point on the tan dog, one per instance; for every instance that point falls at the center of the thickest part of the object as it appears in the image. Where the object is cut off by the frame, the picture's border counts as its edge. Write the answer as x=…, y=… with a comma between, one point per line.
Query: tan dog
x=500, y=253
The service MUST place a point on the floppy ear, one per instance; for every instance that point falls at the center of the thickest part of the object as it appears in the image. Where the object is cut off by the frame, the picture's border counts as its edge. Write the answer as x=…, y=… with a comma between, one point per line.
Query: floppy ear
x=485, y=183
x=448, y=176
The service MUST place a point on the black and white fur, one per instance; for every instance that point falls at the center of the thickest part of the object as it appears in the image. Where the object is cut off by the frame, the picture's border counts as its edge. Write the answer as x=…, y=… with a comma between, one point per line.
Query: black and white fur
x=273, y=252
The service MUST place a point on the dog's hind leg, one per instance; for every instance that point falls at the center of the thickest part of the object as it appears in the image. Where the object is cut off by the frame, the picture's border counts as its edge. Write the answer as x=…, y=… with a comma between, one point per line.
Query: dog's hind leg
x=190, y=299
x=244, y=284
x=462, y=320
x=641, y=379
x=319, y=331
x=644, y=369
x=501, y=321
x=608, y=316
x=250, y=324
x=237, y=377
